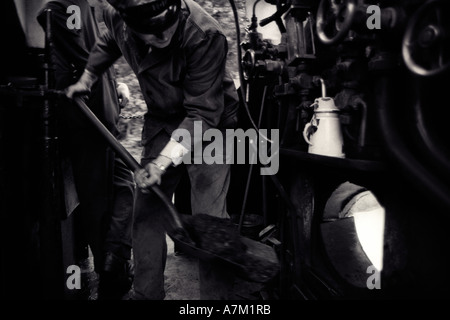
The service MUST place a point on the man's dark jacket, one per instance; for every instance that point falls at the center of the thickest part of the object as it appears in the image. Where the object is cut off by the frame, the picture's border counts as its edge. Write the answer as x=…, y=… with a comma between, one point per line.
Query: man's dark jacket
x=181, y=84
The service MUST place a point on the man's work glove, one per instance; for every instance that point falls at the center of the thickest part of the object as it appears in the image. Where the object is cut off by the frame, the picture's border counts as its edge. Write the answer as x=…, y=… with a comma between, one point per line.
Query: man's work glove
x=123, y=94
x=82, y=86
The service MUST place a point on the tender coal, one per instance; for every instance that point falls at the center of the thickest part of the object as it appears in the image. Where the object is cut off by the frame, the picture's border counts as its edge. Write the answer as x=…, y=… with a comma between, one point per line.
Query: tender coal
x=253, y=260
x=216, y=235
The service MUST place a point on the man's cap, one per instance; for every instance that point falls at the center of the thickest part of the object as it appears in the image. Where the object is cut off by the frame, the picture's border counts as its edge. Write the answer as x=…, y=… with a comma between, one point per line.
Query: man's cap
x=148, y=16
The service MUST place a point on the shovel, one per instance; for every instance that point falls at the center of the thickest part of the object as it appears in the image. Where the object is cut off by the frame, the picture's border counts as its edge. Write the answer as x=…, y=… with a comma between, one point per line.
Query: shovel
x=254, y=261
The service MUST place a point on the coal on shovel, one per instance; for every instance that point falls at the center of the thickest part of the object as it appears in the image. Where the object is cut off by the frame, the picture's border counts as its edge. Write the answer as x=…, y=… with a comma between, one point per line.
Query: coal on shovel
x=206, y=237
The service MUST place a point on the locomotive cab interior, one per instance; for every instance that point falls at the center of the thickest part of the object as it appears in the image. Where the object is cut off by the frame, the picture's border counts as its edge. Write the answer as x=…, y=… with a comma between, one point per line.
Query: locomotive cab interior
x=370, y=222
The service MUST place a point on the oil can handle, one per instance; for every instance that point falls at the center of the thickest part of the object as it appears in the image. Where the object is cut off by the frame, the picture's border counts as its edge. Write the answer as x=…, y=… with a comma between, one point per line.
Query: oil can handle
x=306, y=133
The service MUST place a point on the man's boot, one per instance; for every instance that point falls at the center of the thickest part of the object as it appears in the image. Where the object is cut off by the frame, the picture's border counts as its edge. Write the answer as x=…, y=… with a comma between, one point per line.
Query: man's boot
x=116, y=278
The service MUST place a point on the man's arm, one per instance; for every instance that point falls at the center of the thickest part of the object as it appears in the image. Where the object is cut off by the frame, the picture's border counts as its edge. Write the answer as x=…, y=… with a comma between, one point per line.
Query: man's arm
x=203, y=91
x=203, y=84
x=68, y=42
x=104, y=53
x=102, y=56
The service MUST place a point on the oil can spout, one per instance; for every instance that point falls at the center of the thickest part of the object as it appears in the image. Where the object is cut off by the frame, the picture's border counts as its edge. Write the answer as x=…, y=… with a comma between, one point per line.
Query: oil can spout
x=323, y=87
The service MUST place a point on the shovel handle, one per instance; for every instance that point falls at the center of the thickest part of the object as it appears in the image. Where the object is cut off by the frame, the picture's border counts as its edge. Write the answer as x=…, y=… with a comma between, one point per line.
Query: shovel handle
x=126, y=157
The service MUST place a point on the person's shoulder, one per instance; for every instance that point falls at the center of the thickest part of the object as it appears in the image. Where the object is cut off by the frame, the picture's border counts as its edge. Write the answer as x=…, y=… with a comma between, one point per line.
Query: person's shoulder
x=111, y=17
x=109, y=10
x=55, y=5
x=62, y=5
x=58, y=9
x=201, y=21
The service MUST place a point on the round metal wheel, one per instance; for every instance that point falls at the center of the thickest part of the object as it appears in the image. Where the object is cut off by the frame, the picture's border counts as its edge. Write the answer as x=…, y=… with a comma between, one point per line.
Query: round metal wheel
x=248, y=64
x=334, y=20
x=425, y=46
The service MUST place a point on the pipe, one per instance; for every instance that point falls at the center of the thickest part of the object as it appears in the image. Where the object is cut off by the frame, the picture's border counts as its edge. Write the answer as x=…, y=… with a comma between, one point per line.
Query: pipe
x=433, y=150
x=241, y=72
x=363, y=126
x=250, y=171
x=415, y=171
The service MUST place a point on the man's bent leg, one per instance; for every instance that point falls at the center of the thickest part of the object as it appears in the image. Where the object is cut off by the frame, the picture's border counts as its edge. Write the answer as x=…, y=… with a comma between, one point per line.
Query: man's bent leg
x=116, y=275
x=209, y=187
x=208, y=195
x=149, y=239
x=118, y=238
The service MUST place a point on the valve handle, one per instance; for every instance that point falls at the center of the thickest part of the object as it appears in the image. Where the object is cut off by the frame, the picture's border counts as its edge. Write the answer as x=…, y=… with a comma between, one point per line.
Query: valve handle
x=336, y=16
x=425, y=40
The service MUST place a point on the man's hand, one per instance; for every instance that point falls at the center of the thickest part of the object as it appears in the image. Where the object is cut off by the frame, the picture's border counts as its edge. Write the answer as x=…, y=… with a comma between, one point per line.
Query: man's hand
x=123, y=94
x=148, y=176
x=77, y=88
x=82, y=86
x=151, y=173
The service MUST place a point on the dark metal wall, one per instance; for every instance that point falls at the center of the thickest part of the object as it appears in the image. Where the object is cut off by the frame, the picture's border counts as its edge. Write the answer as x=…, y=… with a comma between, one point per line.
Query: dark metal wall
x=394, y=141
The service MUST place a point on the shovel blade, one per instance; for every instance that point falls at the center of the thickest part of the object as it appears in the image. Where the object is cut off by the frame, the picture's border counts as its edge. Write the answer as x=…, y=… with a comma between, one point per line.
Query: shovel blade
x=217, y=240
